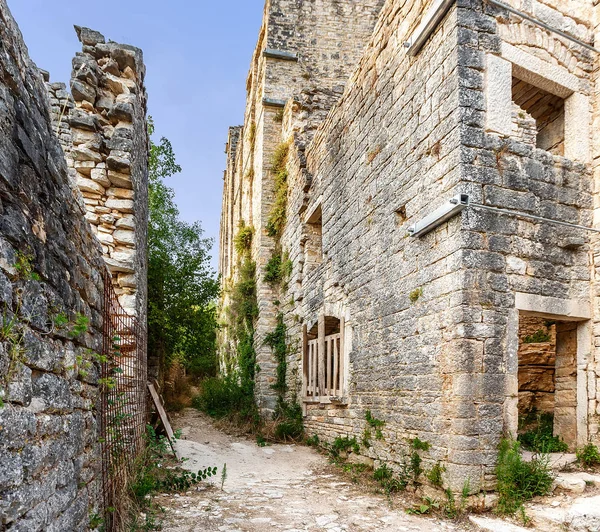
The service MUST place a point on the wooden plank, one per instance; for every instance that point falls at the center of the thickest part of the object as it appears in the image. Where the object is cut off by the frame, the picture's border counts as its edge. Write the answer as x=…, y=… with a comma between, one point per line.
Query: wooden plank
x=342, y=356
x=329, y=344
x=321, y=355
x=310, y=368
x=304, y=361
x=163, y=417
x=336, y=358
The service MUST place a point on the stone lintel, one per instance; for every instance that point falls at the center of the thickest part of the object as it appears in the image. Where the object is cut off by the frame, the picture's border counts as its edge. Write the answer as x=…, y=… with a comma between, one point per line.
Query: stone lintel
x=280, y=54
x=274, y=102
x=553, y=307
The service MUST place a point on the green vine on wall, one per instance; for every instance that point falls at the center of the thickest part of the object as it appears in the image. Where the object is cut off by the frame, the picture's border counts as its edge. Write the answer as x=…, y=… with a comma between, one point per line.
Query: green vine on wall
x=242, y=313
x=277, y=271
x=277, y=215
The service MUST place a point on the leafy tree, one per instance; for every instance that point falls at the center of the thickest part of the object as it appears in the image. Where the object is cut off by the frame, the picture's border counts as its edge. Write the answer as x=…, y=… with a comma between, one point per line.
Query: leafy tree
x=181, y=285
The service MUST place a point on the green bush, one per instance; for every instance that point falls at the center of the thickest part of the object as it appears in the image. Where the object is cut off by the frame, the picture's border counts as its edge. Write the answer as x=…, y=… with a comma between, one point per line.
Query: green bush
x=221, y=396
x=243, y=239
x=290, y=424
x=588, y=455
x=388, y=481
x=519, y=481
x=343, y=444
x=541, y=439
x=272, y=272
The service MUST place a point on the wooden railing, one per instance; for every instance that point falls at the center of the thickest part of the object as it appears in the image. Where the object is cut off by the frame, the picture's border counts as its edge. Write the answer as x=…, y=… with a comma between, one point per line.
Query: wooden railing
x=323, y=366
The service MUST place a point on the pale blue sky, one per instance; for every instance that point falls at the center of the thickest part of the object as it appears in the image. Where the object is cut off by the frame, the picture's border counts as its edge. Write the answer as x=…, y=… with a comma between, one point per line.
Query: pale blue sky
x=197, y=55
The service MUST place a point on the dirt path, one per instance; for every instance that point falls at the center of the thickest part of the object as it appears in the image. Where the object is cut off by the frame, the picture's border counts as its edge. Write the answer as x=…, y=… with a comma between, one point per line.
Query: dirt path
x=278, y=487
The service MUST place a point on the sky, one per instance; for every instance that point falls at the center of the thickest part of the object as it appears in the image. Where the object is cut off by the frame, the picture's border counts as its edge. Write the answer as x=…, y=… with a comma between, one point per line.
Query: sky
x=197, y=55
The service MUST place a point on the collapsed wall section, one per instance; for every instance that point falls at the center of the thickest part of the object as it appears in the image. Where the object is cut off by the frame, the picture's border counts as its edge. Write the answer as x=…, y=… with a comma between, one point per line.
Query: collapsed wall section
x=103, y=131
x=50, y=269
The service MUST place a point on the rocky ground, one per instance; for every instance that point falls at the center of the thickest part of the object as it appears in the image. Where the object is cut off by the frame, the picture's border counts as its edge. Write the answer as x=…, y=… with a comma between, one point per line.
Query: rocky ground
x=277, y=487
x=294, y=488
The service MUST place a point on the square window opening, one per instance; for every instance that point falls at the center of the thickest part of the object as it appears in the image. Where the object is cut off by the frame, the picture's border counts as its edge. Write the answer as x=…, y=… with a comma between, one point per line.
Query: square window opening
x=538, y=117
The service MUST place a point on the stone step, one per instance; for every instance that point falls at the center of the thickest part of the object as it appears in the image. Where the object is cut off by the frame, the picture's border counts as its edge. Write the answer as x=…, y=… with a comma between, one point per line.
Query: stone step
x=580, y=515
x=556, y=461
x=490, y=524
x=576, y=482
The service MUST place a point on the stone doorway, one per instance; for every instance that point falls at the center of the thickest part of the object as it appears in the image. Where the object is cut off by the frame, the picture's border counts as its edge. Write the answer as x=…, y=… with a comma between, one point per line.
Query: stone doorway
x=547, y=376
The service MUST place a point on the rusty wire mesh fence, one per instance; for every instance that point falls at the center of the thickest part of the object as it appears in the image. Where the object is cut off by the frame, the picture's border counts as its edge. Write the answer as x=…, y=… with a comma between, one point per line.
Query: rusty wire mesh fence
x=123, y=389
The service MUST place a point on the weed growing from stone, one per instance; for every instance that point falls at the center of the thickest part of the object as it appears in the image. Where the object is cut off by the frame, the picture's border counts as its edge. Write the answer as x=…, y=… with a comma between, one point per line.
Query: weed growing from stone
x=376, y=424
x=589, y=455
x=541, y=438
x=312, y=441
x=435, y=475
x=277, y=215
x=415, y=295
x=537, y=337
x=343, y=444
x=519, y=481
x=243, y=238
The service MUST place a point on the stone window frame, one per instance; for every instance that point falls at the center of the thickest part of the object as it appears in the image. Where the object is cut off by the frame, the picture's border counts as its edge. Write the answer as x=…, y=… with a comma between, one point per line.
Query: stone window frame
x=554, y=79
x=575, y=310
x=314, y=217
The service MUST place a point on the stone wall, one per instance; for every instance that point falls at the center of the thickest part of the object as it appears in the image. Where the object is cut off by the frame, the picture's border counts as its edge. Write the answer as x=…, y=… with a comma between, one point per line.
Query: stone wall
x=537, y=365
x=50, y=264
x=303, y=46
x=103, y=133
x=432, y=323
x=385, y=156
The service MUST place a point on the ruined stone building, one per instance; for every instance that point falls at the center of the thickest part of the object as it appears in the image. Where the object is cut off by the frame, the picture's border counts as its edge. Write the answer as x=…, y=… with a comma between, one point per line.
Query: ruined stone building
x=73, y=214
x=365, y=119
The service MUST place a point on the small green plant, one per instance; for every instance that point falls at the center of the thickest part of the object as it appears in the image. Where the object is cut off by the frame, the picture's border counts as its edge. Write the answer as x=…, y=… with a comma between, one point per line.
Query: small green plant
x=519, y=481
x=290, y=424
x=272, y=272
x=415, y=465
x=588, y=455
x=344, y=445
x=24, y=267
x=376, y=424
x=277, y=215
x=427, y=506
x=107, y=383
x=435, y=475
x=260, y=440
x=79, y=326
x=537, y=337
x=313, y=441
x=415, y=295
x=541, y=438
x=390, y=482
x=60, y=320
x=96, y=520
x=223, y=476
x=278, y=117
x=243, y=238
x=419, y=445
x=366, y=438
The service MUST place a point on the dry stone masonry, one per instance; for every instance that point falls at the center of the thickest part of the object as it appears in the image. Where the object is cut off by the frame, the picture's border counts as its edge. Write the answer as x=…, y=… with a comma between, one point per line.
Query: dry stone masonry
x=102, y=129
x=52, y=263
x=428, y=333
